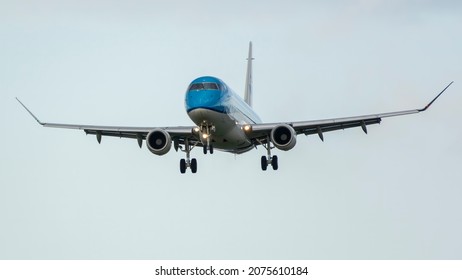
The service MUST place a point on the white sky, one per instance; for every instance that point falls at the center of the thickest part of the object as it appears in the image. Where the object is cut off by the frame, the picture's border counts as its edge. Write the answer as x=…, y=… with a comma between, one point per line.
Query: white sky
x=392, y=194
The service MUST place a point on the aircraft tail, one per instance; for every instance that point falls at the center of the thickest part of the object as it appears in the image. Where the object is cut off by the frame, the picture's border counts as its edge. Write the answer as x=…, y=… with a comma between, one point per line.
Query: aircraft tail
x=248, y=79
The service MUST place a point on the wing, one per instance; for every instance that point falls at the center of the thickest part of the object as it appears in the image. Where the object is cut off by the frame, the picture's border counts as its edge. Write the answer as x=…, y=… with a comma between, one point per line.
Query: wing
x=259, y=133
x=179, y=133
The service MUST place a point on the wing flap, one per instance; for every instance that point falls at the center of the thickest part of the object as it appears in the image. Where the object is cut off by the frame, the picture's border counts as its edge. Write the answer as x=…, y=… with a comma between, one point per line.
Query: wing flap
x=337, y=126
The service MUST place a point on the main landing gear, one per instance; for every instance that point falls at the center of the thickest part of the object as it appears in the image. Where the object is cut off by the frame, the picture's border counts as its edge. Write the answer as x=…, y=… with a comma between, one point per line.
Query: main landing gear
x=273, y=160
x=191, y=162
x=204, y=133
x=188, y=162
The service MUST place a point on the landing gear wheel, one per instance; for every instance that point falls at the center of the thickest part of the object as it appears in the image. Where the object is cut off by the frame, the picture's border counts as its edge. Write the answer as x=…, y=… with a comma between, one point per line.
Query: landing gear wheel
x=274, y=162
x=264, y=163
x=182, y=166
x=193, y=165
x=208, y=148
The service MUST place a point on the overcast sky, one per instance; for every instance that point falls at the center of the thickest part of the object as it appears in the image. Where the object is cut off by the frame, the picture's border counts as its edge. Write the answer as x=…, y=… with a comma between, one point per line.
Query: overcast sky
x=392, y=194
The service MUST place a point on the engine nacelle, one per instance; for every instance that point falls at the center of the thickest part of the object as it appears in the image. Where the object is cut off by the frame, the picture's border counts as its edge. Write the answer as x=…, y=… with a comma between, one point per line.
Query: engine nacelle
x=158, y=141
x=283, y=137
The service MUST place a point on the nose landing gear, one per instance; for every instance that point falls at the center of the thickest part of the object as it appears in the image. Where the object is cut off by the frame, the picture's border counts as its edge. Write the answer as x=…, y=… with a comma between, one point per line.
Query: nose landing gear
x=206, y=140
x=208, y=147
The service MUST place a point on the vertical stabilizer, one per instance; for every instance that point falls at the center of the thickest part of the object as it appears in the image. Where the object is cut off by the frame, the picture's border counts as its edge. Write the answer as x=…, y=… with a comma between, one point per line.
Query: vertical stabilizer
x=248, y=79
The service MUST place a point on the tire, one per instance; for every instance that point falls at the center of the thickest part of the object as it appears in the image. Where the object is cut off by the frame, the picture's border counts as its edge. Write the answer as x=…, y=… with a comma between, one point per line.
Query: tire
x=182, y=166
x=193, y=165
x=205, y=150
x=211, y=149
x=264, y=163
x=274, y=162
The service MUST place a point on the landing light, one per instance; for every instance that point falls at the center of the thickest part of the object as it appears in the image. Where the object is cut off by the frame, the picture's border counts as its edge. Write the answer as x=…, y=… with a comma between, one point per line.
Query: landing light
x=247, y=128
x=205, y=136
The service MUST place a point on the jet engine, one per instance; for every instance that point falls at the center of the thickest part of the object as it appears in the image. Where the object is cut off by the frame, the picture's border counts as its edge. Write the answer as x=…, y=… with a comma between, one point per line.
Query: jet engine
x=283, y=137
x=159, y=141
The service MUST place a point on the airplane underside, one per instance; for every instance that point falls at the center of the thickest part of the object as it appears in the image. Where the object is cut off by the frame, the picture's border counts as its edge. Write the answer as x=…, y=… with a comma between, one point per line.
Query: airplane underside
x=216, y=131
x=221, y=130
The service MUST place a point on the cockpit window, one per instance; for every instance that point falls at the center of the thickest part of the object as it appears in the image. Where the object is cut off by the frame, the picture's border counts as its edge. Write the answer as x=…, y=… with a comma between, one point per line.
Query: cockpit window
x=204, y=86
x=210, y=86
x=196, y=86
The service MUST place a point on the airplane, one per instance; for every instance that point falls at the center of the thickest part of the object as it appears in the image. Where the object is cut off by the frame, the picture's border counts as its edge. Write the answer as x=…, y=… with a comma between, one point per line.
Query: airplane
x=226, y=122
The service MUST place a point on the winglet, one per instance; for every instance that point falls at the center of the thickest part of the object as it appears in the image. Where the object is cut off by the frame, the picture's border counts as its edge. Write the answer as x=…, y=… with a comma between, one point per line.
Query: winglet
x=431, y=102
x=30, y=112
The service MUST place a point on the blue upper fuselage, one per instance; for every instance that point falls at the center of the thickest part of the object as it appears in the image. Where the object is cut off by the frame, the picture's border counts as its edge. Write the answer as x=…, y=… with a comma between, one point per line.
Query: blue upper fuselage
x=213, y=94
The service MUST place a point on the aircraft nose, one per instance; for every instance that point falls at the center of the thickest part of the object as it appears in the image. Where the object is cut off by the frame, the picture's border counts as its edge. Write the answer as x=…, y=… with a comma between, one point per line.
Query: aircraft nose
x=202, y=99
